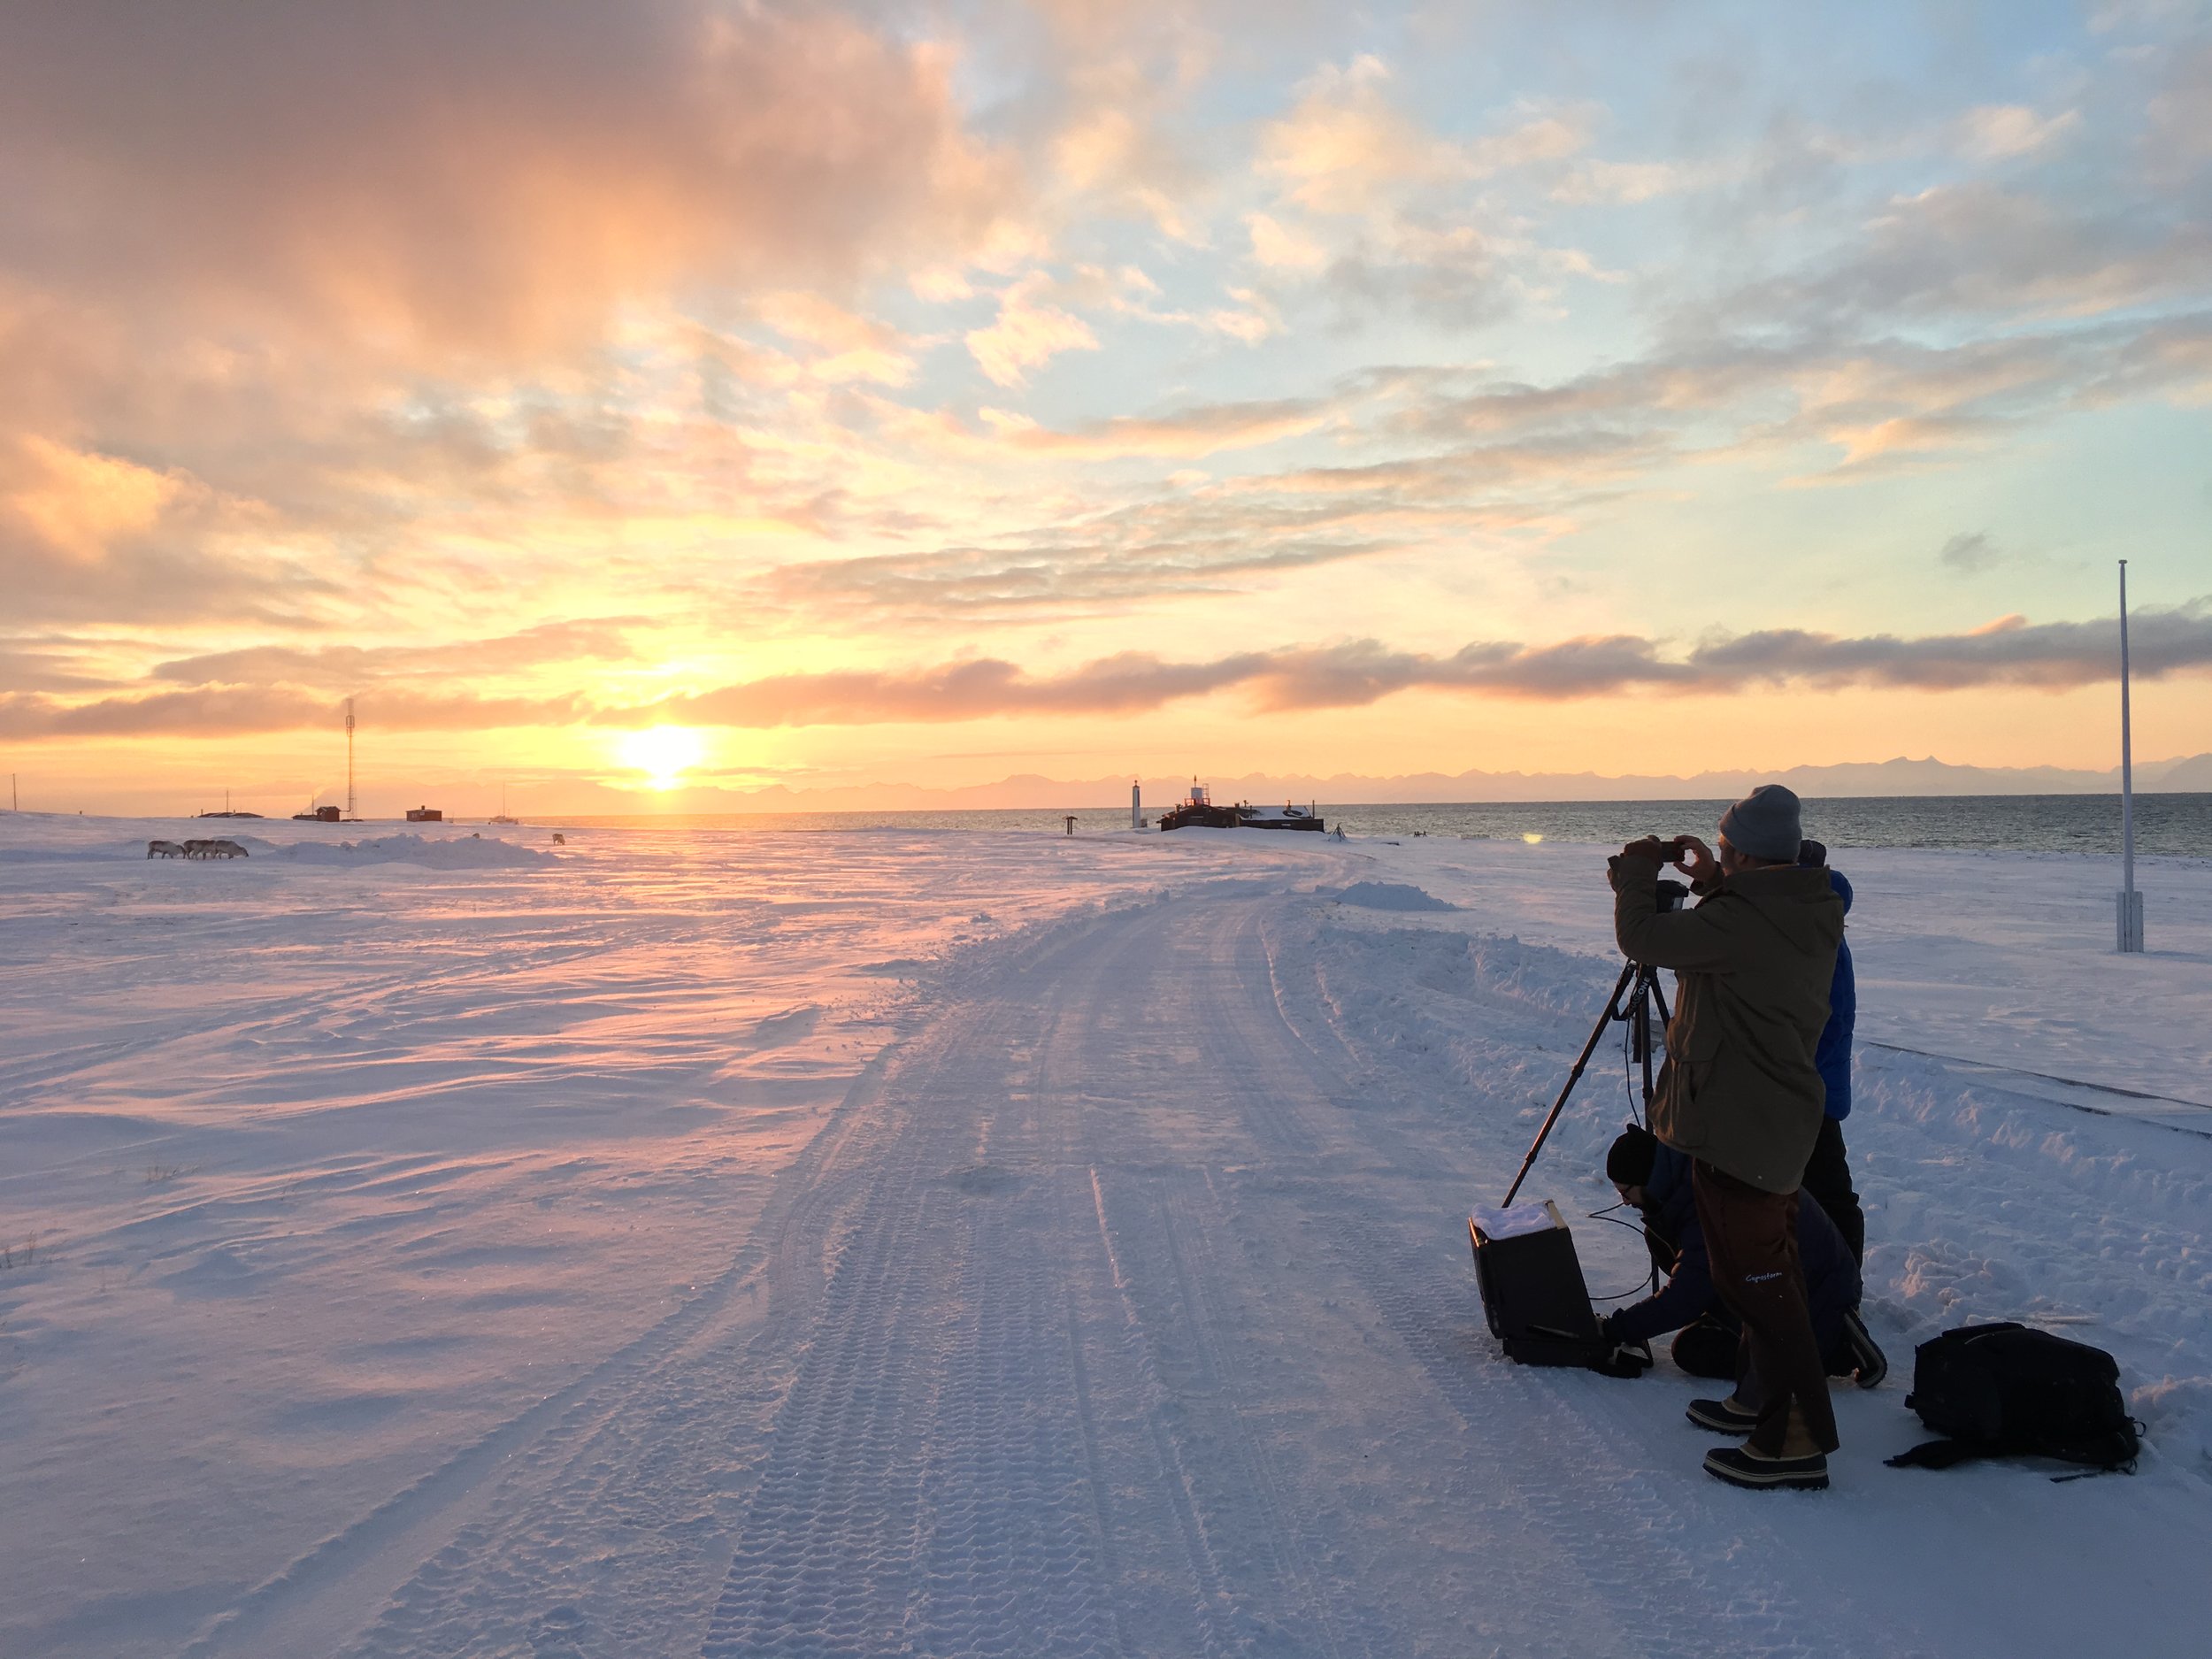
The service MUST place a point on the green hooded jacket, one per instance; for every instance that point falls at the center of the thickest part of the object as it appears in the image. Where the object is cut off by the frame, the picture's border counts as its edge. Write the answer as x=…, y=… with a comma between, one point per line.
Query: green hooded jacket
x=1753, y=963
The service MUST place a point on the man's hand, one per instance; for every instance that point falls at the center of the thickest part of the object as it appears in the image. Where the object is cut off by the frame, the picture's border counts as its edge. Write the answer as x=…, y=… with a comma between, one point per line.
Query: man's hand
x=1650, y=847
x=1697, y=862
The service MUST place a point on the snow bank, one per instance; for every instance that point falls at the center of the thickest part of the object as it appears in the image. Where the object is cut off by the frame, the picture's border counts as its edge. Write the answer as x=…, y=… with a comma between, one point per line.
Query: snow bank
x=432, y=853
x=1385, y=896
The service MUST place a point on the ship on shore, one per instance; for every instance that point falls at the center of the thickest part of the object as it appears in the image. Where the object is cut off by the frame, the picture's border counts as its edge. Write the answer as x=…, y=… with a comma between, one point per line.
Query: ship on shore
x=1198, y=810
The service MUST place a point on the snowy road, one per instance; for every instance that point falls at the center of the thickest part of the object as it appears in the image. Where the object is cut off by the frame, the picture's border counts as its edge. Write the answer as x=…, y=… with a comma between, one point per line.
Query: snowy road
x=586, y=1288
x=1117, y=1314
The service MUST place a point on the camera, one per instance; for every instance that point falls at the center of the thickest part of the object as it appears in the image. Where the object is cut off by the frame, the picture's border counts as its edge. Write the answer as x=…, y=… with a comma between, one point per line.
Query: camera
x=1672, y=852
x=1671, y=894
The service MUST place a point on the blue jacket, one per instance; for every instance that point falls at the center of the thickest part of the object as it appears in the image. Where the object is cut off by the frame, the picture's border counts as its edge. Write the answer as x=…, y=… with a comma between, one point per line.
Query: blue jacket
x=1834, y=1056
x=1831, y=1278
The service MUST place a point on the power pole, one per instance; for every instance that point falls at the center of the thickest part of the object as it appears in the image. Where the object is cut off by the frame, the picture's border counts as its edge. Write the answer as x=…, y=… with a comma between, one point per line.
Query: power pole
x=352, y=809
x=2131, y=902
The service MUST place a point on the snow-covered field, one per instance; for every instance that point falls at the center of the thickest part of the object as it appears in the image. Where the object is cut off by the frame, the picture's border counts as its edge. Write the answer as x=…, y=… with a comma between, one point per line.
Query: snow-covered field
x=945, y=1243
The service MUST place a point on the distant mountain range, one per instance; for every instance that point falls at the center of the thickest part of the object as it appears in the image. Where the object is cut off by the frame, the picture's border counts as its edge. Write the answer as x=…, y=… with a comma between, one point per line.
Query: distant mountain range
x=1898, y=777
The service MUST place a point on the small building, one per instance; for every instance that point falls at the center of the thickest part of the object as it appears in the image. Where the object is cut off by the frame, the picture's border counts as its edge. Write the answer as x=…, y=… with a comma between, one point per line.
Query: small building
x=425, y=815
x=317, y=815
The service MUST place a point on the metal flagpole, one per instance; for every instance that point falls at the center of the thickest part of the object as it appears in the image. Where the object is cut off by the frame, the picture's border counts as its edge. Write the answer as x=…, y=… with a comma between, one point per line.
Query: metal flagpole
x=2131, y=902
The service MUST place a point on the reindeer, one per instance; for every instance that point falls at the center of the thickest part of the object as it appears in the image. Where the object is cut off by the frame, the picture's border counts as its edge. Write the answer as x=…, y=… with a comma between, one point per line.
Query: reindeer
x=164, y=849
x=225, y=849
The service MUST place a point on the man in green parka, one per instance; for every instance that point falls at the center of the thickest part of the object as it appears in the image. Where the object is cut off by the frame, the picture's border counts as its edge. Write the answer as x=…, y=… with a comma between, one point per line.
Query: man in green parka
x=1741, y=1095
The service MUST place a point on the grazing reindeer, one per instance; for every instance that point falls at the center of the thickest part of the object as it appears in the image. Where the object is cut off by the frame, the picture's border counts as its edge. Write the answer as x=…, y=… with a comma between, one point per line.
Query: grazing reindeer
x=164, y=849
x=225, y=849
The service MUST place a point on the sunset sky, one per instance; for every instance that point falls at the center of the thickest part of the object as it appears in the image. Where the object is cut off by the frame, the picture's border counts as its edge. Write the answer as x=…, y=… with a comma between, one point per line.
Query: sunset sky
x=628, y=401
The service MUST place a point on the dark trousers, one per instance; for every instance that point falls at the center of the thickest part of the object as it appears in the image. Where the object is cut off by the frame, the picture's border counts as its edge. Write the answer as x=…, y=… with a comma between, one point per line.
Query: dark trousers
x=1751, y=1237
x=1828, y=1178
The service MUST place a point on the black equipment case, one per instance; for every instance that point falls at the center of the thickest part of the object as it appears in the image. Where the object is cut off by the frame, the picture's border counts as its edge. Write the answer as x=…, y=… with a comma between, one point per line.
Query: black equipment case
x=1533, y=1295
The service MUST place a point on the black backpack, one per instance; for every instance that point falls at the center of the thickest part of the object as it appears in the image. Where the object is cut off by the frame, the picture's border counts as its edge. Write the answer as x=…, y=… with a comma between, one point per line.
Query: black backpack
x=2007, y=1390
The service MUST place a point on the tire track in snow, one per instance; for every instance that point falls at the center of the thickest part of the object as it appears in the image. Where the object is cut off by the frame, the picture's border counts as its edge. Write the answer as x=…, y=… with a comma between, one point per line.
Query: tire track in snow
x=999, y=1522
x=1052, y=1360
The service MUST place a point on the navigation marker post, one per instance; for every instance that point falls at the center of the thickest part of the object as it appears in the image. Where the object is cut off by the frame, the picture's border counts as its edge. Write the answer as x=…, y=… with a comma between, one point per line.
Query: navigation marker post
x=2129, y=902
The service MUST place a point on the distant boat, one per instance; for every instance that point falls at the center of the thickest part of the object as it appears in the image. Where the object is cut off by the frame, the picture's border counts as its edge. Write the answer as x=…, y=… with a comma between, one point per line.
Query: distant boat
x=502, y=818
x=1198, y=810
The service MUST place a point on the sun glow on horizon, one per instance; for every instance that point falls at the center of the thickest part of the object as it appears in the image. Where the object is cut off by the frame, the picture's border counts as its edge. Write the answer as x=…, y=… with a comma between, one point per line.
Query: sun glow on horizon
x=662, y=753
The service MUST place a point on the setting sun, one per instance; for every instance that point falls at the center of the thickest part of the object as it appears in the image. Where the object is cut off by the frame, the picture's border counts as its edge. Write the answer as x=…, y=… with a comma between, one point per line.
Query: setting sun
x=662, y=753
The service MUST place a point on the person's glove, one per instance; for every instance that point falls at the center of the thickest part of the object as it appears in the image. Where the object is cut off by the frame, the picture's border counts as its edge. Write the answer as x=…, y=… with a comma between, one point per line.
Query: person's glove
x=1622, y=1359
x=1648, y=847
x=1617, y=1358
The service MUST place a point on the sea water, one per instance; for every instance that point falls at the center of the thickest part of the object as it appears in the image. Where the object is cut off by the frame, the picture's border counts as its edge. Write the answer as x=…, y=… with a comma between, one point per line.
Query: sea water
x=2170, y=825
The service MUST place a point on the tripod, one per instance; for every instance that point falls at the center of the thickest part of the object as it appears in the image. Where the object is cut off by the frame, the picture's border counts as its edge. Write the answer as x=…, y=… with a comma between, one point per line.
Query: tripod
x=1635, y=993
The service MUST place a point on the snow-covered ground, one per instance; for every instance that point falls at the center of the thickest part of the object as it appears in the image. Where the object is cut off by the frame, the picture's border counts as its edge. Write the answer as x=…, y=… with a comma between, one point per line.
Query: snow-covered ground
x=944, y=1243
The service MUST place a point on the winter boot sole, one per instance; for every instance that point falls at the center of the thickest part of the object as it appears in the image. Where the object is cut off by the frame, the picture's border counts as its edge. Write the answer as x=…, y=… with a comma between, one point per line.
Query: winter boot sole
x=1740, y=1466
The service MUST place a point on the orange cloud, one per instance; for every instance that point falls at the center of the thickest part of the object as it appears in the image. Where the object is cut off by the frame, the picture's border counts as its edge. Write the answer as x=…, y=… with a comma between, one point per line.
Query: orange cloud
x=465, y=182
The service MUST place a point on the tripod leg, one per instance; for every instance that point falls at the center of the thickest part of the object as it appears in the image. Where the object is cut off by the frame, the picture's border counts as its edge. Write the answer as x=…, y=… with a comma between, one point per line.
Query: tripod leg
x=1612, y=1012
x=1640, y=1011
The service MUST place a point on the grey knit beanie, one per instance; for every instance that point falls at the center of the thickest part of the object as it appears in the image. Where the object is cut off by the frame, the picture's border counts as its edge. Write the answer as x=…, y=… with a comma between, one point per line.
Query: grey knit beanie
x=1765, y=823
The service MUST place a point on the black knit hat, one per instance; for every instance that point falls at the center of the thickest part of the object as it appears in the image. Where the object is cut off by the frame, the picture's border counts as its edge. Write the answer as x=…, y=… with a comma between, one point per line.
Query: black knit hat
x=1630, y=1162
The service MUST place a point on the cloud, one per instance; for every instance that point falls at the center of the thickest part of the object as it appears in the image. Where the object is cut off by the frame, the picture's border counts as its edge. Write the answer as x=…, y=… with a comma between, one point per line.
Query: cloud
x=1189, y=537
x=1969, y=554
x=300, y=304
x=89, y=535
x=2000, y=132
x=2048, y=655
x=2178, y=136
x=1343, y=146
x=2051, y=656
x=1188, y=434
x=849, y=347
x=1980, y=249
x=1620, y=183
x=2012, y=651
x=348, y=667
x=229, y=712
x=1345, y=150
x=1283, y=248
x=46, y=665
x=466, y=180
x=1029, y=331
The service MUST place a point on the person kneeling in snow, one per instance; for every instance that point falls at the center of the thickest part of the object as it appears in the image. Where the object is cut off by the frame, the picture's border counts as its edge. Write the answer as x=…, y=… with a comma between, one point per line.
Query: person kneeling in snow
x=1657, y=1180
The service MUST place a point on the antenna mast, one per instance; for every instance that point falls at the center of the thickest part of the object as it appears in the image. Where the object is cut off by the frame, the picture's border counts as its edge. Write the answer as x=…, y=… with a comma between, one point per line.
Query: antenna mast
x=2131, y=902
x=352, y=809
